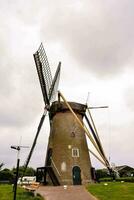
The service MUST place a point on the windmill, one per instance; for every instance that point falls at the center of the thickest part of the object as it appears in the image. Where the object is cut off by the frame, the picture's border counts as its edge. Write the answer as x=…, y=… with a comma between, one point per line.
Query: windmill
x=67, y=158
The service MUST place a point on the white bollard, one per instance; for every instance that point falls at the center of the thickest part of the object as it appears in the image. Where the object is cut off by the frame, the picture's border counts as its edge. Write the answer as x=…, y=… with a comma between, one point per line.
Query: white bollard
x=65, y=187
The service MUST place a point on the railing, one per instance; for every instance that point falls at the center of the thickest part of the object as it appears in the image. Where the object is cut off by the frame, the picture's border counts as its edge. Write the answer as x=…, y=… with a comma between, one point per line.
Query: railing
x=56, y=171
x=55, y=168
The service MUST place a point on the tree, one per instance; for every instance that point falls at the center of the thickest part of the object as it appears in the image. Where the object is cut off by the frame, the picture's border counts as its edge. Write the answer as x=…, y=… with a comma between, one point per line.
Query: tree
x=6, y=175
x=29, y=171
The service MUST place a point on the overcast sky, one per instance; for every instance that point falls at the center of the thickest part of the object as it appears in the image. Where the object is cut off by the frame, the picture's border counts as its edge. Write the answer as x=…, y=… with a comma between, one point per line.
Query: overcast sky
x=94, y=40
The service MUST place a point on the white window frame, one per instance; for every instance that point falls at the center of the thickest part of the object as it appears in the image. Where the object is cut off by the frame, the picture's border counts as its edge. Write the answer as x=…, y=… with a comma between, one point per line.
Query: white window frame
x=75, y=153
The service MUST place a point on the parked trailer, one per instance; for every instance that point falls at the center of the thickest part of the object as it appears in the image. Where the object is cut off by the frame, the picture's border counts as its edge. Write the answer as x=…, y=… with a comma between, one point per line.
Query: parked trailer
x=26, y=180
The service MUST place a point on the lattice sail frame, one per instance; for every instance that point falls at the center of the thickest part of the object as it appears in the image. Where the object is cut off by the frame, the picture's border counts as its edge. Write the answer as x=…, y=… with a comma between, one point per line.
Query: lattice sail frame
x=55, y=83
x=48, y=85
x=45, y=67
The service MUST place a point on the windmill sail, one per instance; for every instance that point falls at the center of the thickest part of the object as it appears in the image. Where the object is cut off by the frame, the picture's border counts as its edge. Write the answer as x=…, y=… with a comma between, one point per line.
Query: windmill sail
x=55, y=83
x=94, y=134
x=44, y=72
x=48, y=87
x=97, y=141
x=35, y=140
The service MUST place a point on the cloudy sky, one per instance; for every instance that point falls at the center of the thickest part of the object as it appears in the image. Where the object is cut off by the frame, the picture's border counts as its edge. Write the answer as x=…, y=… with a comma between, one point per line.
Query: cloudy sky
x=94, y=40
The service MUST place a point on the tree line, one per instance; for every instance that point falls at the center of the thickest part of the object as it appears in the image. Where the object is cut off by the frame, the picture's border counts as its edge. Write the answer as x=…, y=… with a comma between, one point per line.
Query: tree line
x=8, y=175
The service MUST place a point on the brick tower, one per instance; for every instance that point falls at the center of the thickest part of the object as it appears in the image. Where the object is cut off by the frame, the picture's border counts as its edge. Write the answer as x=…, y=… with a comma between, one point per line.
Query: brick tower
x=67, y=153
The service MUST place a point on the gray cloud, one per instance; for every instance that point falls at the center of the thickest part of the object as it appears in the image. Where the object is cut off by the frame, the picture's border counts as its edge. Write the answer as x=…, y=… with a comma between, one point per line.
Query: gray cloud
x=117, y=143
x=121, y=144
x=129, y=98
x=98, y=35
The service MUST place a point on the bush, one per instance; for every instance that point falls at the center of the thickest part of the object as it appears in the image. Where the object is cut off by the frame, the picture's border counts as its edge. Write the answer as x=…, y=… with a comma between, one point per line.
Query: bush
x=100, y=173
x=106, y=179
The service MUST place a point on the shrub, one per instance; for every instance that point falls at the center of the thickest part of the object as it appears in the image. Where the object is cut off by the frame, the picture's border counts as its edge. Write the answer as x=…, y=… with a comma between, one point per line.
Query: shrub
x=106, y=179
x=100, y=173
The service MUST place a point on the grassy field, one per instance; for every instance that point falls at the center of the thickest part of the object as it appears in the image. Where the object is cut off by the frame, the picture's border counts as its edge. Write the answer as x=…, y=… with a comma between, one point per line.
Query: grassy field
x=112, y=191
x=6, y=193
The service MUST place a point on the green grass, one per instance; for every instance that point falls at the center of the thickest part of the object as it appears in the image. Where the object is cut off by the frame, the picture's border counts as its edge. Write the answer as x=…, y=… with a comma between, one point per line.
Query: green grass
x=6, y=193
x=112, y=191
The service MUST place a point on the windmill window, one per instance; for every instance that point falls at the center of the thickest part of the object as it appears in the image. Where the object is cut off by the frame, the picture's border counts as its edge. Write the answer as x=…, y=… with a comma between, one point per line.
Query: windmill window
x=73, y=134
x=75, y=152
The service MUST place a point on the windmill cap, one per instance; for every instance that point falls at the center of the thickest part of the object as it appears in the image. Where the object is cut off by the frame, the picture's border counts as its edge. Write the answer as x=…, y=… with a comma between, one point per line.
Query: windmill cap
x=62, y=107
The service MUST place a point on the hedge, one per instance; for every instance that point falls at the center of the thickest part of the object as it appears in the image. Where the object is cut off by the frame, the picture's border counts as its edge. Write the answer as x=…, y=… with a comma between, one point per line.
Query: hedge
x=125, y=179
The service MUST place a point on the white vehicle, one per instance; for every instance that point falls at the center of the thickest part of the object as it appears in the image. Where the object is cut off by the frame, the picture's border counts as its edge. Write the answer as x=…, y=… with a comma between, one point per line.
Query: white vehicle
x=26, y=180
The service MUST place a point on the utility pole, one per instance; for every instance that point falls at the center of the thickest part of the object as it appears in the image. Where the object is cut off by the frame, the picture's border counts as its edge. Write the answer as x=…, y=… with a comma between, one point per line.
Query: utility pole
x=17, y=168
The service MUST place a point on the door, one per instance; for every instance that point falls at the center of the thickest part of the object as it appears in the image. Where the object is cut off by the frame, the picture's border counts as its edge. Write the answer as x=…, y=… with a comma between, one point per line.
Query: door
x=76, y=175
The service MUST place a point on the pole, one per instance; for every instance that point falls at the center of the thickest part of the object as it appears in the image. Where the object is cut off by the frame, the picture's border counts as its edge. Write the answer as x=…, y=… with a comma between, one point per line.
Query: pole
x=17, y=148
x=16, y=179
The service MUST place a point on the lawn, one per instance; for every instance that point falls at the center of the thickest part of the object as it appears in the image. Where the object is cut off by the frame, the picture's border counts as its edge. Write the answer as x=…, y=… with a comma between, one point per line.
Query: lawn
x=6, y=193
x=112, y=191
